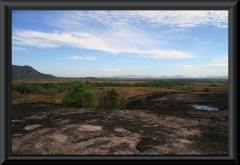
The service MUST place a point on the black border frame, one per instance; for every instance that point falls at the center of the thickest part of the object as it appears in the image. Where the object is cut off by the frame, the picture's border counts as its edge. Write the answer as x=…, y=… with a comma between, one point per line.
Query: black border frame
x=6, y=6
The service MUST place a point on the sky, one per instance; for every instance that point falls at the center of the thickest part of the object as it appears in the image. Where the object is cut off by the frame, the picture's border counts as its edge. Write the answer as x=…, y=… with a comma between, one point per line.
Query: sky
x=77, y=43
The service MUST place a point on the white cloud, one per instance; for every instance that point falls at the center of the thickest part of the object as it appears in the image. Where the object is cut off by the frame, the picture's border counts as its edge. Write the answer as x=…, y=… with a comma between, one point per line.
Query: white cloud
x=221, y=60
x=18, y=49
x=127, y=27
x=189, y=67
x=89, y=41
x=113, y=70
x=196, y=38
x=122, y=33
x=186, y=19
x=34, y=38
x=218, y=66
x=81, y=58
x=158, y=54
x=50, y=40
x=126, y=20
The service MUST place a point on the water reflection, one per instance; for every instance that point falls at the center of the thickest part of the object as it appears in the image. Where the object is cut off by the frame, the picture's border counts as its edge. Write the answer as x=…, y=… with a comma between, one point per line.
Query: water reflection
x=204, y=107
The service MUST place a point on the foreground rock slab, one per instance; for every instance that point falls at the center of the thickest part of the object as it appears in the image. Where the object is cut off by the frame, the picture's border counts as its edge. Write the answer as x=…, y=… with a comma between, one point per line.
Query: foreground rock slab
x=53, y=129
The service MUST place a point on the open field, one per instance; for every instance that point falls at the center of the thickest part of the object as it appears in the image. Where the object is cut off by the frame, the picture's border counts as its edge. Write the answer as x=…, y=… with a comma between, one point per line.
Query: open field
x=59, y=80
x=156, y=121
x=215, y=86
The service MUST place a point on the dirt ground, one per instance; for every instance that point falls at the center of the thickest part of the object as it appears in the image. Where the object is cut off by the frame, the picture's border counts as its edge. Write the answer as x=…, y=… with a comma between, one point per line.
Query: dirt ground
x=154, y=124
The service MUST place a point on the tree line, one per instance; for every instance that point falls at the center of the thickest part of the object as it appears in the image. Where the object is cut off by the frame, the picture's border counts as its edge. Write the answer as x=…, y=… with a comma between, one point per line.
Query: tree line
x=61, y=87
x=81, y=94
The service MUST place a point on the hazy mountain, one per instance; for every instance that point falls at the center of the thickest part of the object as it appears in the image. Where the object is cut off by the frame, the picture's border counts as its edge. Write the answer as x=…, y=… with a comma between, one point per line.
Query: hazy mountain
x=149, y=76
x=222, y=77
x=135, y=76
x=167, y=77
x=28, y=72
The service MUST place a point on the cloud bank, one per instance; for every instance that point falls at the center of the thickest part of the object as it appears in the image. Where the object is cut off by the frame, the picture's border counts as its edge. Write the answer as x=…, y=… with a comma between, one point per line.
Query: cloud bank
x=81, y=58
x=89, y=41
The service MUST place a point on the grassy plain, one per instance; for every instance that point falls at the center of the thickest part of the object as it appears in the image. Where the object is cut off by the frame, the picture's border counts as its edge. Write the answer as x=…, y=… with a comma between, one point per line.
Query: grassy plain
x=196, y=86
x=159, y=123
x=177, y=129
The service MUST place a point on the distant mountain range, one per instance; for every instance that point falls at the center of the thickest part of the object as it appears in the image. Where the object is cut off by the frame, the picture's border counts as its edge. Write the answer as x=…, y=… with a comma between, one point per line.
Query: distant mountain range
x=168, y=77
x=28, y=72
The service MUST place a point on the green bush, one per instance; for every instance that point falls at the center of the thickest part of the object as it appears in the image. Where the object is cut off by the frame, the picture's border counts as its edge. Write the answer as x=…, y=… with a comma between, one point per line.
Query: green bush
x=80, y=95
x=112, y=99
x=16, y=95
x=206, y=90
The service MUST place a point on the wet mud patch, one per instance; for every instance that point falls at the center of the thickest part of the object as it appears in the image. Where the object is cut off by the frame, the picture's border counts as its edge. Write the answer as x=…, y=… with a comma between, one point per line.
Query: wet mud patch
x=205, y=107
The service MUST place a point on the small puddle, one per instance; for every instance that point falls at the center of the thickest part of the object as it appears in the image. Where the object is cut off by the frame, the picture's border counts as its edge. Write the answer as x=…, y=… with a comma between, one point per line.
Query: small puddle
x=204, y=107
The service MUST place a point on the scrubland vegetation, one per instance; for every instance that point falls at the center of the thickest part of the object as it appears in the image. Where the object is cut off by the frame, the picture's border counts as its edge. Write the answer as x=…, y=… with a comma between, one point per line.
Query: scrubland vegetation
x=117, y=116
x=106, y=93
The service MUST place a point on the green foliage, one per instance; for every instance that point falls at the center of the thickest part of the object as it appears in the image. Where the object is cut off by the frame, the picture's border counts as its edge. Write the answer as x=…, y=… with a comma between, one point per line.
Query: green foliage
x=80, y=95
x=148, y=83
x=75, y=94
x=68, y=101
x=16, y=95
x=42, y=88
x=214, y=85
x=112, y=99
x=206, y=90
x=63, y=87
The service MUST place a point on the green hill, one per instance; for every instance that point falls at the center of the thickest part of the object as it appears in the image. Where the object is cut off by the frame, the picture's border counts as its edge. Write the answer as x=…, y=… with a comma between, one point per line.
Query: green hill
x=28, y=72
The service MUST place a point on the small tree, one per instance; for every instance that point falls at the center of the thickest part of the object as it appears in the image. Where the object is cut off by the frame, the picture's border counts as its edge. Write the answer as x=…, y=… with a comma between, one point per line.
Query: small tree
x=112, y=99
x=80, y=95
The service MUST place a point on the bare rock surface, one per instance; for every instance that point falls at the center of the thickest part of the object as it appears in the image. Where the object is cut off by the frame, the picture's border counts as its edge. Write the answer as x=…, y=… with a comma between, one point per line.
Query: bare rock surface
x=159, y=124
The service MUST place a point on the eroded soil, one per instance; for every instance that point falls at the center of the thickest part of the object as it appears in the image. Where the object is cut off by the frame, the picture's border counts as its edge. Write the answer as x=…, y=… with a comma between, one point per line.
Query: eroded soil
x=154, y=124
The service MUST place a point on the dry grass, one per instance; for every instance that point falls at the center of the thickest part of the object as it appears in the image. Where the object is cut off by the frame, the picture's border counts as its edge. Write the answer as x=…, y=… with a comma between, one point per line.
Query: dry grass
x=197, y=87
x=31, y=81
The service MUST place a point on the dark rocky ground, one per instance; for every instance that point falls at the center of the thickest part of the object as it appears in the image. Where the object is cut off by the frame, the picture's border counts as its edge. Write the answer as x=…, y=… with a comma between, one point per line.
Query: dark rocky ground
x=154, y=124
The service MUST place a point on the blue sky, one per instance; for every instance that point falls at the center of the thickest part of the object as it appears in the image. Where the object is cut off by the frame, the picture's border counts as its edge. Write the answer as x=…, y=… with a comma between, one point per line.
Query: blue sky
x=114, y=43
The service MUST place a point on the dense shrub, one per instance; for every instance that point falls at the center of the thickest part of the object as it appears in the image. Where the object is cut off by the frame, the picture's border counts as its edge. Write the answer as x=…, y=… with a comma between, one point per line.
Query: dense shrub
x=112, y=99
x=80, y=95
x=16, y=95
x=206, y=90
